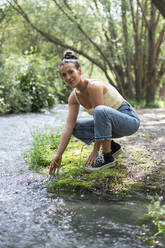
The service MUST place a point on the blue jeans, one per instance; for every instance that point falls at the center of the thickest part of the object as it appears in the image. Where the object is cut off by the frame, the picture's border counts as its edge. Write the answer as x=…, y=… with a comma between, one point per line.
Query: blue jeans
x=107, y=123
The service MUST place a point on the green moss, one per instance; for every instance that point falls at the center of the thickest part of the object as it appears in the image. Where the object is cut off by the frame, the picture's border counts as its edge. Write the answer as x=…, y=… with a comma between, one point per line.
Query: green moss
x=134, y=187
x=74, y=184
x=147, y=135
x=131, y=174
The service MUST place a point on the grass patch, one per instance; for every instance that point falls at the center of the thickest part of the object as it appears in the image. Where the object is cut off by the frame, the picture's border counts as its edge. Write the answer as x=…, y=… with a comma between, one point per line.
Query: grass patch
x=126, y=178
x=42, y=149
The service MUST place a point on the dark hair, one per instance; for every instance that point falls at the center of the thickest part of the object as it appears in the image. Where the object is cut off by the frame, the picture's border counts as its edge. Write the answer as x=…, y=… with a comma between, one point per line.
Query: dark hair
x=69, y=57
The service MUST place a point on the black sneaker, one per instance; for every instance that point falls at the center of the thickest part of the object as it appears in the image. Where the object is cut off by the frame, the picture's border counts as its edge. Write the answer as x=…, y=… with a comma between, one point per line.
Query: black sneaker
x=105, y=160
x=115, y=149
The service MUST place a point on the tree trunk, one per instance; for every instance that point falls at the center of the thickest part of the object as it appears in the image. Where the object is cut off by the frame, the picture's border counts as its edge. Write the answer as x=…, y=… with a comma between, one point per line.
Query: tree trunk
x=128, y=85
x=119, y=67
x=160, y=4
x=151, y=72
x=138, y=57
x=162, y=92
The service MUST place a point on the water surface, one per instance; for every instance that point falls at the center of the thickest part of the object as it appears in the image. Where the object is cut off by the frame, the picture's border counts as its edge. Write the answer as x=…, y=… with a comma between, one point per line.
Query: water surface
x=30, y=217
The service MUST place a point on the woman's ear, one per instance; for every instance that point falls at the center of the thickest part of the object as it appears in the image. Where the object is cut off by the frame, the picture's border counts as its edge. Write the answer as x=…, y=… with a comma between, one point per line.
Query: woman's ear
x=80, y=70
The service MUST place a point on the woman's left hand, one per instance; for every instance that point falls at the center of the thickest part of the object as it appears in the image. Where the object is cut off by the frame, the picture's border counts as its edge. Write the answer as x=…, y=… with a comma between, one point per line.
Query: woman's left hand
x=92, y=158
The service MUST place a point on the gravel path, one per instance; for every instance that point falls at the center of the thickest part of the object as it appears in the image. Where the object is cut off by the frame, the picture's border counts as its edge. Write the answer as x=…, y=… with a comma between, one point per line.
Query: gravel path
x=145, y=151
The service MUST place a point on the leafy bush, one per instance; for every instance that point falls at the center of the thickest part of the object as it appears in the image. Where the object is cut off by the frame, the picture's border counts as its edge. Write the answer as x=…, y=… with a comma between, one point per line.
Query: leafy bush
x=35, y=91
x=27, y=84
x=43, y=148
x=3, y=106
x=155, y=229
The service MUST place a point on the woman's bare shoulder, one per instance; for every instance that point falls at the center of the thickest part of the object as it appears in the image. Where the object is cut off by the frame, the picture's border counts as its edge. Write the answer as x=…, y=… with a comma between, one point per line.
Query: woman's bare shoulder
x=71, y=98
x=96, y=84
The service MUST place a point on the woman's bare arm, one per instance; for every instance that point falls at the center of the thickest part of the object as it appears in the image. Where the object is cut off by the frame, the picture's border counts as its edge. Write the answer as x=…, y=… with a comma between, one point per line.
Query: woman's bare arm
x=66, y=134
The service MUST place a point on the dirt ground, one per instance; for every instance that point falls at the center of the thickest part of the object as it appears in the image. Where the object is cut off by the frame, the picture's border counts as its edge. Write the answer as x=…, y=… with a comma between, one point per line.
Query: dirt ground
x=151, y=134
x=146, y=151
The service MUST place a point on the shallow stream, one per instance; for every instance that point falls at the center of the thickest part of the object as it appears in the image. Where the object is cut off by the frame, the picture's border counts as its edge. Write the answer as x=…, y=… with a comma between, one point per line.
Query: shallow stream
x=30, y=217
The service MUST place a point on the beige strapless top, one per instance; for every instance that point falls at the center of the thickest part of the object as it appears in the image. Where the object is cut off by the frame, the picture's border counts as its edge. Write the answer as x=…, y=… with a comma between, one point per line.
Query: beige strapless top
x=112, y=98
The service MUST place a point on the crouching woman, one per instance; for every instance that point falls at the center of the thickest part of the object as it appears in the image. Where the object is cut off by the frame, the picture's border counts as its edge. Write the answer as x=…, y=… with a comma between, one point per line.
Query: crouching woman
x=113, y=117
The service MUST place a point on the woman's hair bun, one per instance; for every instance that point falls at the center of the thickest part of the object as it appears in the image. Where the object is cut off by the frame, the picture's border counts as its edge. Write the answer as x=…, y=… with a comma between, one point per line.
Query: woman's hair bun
x=69, y=55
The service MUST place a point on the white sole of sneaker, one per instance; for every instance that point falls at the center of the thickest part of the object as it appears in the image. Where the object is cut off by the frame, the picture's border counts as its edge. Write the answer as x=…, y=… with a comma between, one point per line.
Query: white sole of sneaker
x=116, y=154
x=106, y=166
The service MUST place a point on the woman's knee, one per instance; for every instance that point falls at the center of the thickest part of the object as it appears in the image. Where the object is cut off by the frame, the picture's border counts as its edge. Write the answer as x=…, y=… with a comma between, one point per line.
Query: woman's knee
x=83, y=125
x=84, y=130
x=103, y=113
x=99, y=110
x=76, y=127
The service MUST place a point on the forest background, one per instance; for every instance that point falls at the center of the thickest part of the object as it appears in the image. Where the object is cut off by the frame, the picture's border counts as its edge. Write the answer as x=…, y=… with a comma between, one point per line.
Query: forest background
x=120, y=41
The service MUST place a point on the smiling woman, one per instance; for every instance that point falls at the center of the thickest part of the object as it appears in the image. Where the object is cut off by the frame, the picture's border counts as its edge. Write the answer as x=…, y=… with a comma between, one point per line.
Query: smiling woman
x=72, y=69
x=70, y=74
x=113, y=117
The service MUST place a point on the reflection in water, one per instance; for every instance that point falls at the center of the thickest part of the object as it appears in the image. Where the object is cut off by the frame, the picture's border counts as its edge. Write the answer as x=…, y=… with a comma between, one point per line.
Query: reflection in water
x=30, y=217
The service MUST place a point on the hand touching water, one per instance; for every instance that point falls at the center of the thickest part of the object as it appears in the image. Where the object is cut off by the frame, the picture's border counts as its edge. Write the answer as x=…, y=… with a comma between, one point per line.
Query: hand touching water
x=55, y=165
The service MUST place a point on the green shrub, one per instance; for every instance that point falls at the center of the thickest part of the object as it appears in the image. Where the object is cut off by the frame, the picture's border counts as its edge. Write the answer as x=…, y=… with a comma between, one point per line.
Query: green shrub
x=27, y=84
x=42, y=149
x=142, y=104
x=35, y=91
x=155, y=219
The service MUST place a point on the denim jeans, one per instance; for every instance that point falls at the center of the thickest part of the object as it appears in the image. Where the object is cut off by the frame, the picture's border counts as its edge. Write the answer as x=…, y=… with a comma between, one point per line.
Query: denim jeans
x=107, y=123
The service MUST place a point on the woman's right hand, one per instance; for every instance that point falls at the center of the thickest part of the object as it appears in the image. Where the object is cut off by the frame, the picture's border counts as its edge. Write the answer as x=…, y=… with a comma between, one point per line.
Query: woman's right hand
x=55, y=165
x=92, y=158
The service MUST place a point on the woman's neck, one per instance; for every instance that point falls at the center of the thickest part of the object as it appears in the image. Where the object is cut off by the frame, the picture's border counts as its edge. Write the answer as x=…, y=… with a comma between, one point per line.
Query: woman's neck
x=82, y=86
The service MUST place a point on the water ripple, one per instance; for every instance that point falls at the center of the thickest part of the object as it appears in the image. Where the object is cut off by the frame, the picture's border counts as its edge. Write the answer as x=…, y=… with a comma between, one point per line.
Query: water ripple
x=30, y=217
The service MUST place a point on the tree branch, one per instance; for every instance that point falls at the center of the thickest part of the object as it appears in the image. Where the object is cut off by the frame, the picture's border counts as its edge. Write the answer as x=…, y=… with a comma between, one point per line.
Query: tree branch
x=84, y=33
x=74, y=20
x=159, y=42
x=160, y=4
x=126, y=40
x=2, y=15
x=59, y=42
x=143, y=13
x=54, y=39
x=133, y=16
x=158, y=18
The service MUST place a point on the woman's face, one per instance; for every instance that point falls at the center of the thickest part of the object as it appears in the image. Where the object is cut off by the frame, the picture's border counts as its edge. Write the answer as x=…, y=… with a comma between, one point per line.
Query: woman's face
x=71, y=74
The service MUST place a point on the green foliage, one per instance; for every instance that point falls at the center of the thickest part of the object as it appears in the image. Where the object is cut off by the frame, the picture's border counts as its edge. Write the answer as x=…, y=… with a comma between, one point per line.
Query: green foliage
x=29, y=78
x=156, y=211
x=25, y=85
x=112, y=36
x=35, y=91
x=62, y=91
x=137, y=104
x=3, y=106
x=156, y=221
x=142, y=104
x=42, y=149
x=115, y=36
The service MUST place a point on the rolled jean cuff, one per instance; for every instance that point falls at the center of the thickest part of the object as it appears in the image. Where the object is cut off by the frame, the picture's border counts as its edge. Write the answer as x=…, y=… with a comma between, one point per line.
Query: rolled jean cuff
x=102, y=138
x=87, y=141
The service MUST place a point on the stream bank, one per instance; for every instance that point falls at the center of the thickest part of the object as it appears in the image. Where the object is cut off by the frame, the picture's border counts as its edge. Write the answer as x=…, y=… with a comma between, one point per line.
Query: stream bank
x=31, y=217
x=139, y=170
